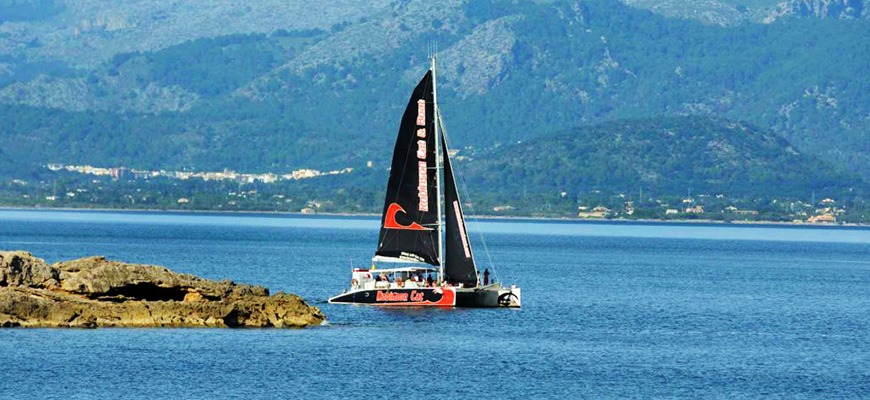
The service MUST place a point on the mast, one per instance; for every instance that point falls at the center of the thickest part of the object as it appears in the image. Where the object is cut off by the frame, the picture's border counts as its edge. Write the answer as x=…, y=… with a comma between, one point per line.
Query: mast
x=438, y=169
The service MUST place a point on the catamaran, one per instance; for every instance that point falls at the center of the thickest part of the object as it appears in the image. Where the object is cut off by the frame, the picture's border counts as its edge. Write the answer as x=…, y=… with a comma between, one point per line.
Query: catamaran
x=423, y=238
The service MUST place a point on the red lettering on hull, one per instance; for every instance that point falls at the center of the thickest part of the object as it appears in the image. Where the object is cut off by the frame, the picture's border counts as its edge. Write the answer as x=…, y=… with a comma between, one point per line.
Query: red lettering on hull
x=415, y=298
x=391, y=296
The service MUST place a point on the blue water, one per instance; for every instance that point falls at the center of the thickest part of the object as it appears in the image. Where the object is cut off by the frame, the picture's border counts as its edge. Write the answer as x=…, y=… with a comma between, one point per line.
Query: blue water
x=610, y=311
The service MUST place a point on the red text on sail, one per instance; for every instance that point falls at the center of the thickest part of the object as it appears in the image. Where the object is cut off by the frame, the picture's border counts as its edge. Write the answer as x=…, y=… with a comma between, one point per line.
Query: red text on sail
x=422, y=167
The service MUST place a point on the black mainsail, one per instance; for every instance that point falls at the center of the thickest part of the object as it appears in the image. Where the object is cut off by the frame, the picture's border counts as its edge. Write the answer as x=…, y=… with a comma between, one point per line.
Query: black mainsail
x=409, y=224
x=459, y=265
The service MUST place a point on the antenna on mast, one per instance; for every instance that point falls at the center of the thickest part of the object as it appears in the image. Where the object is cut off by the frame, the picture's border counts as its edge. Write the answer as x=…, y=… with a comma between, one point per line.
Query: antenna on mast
x=431, y=50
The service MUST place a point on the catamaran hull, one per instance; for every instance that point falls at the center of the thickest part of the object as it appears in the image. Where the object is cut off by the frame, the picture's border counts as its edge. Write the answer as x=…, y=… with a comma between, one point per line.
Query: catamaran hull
x=489, y=296
x=417, y=297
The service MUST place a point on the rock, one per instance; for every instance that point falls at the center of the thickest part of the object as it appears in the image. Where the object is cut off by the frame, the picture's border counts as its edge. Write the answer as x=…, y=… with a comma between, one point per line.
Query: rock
x=194, y=297
x=95, y=292
x=823, y=9
x=20, y=268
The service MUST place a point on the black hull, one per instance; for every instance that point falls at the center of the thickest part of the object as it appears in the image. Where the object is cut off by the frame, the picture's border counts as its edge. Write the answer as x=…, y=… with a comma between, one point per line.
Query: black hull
x=415, y=297
x=489, y=296
x=480, y=297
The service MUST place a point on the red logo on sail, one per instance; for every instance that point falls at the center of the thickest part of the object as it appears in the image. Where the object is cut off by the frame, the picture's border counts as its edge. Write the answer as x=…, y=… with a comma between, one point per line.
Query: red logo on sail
x=390, y=220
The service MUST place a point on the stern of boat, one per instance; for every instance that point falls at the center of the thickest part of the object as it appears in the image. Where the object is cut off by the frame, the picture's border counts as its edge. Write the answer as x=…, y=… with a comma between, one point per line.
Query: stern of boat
x=493, y=295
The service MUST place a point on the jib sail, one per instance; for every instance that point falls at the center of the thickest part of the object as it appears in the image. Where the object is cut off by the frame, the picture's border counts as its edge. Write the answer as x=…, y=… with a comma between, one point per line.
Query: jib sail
x=459, y=265
x=409, y=228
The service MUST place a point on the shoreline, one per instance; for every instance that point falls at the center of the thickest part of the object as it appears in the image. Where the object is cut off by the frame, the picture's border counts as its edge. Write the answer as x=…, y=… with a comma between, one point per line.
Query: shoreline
x=486, y=217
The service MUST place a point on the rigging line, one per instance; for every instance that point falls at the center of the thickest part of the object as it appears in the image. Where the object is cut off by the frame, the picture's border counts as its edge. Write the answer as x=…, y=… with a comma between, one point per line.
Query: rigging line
x=470, y=205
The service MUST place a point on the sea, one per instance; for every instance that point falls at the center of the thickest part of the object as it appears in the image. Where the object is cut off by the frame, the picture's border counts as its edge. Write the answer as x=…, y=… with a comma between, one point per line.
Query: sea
x=610, y=310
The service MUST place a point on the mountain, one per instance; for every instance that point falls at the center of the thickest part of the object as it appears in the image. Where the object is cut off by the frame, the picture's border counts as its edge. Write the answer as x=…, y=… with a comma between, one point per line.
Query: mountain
x=85, y=33
x=722, y=12
x=826, y=9
x=675, y=167
x=272, y=87
x=733, y=12
x=670, y=155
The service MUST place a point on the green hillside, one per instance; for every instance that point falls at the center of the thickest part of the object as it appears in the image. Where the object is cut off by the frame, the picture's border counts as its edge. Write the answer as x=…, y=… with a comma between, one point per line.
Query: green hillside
x=642, y=168
x=659, y=156
x=327, y=94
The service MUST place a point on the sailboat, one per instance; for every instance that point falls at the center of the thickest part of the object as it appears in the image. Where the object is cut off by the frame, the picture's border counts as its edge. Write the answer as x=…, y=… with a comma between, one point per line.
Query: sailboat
x=423, y=239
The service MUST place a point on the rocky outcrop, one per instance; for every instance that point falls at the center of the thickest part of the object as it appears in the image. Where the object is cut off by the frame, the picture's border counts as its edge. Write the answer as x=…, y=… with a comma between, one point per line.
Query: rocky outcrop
x=95, y=292
x=712, y=12
x=480, y=61
x=106, y=94
x=824, y=9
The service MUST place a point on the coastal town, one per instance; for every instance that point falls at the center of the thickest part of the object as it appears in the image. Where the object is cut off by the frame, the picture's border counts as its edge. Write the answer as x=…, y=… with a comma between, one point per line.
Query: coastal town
x=825, y=211
x=87, y=186
x=120, y=172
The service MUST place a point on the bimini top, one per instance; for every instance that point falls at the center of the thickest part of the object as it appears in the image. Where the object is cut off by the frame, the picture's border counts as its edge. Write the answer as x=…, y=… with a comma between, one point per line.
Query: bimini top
x=395, y=260
x=403, y=269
